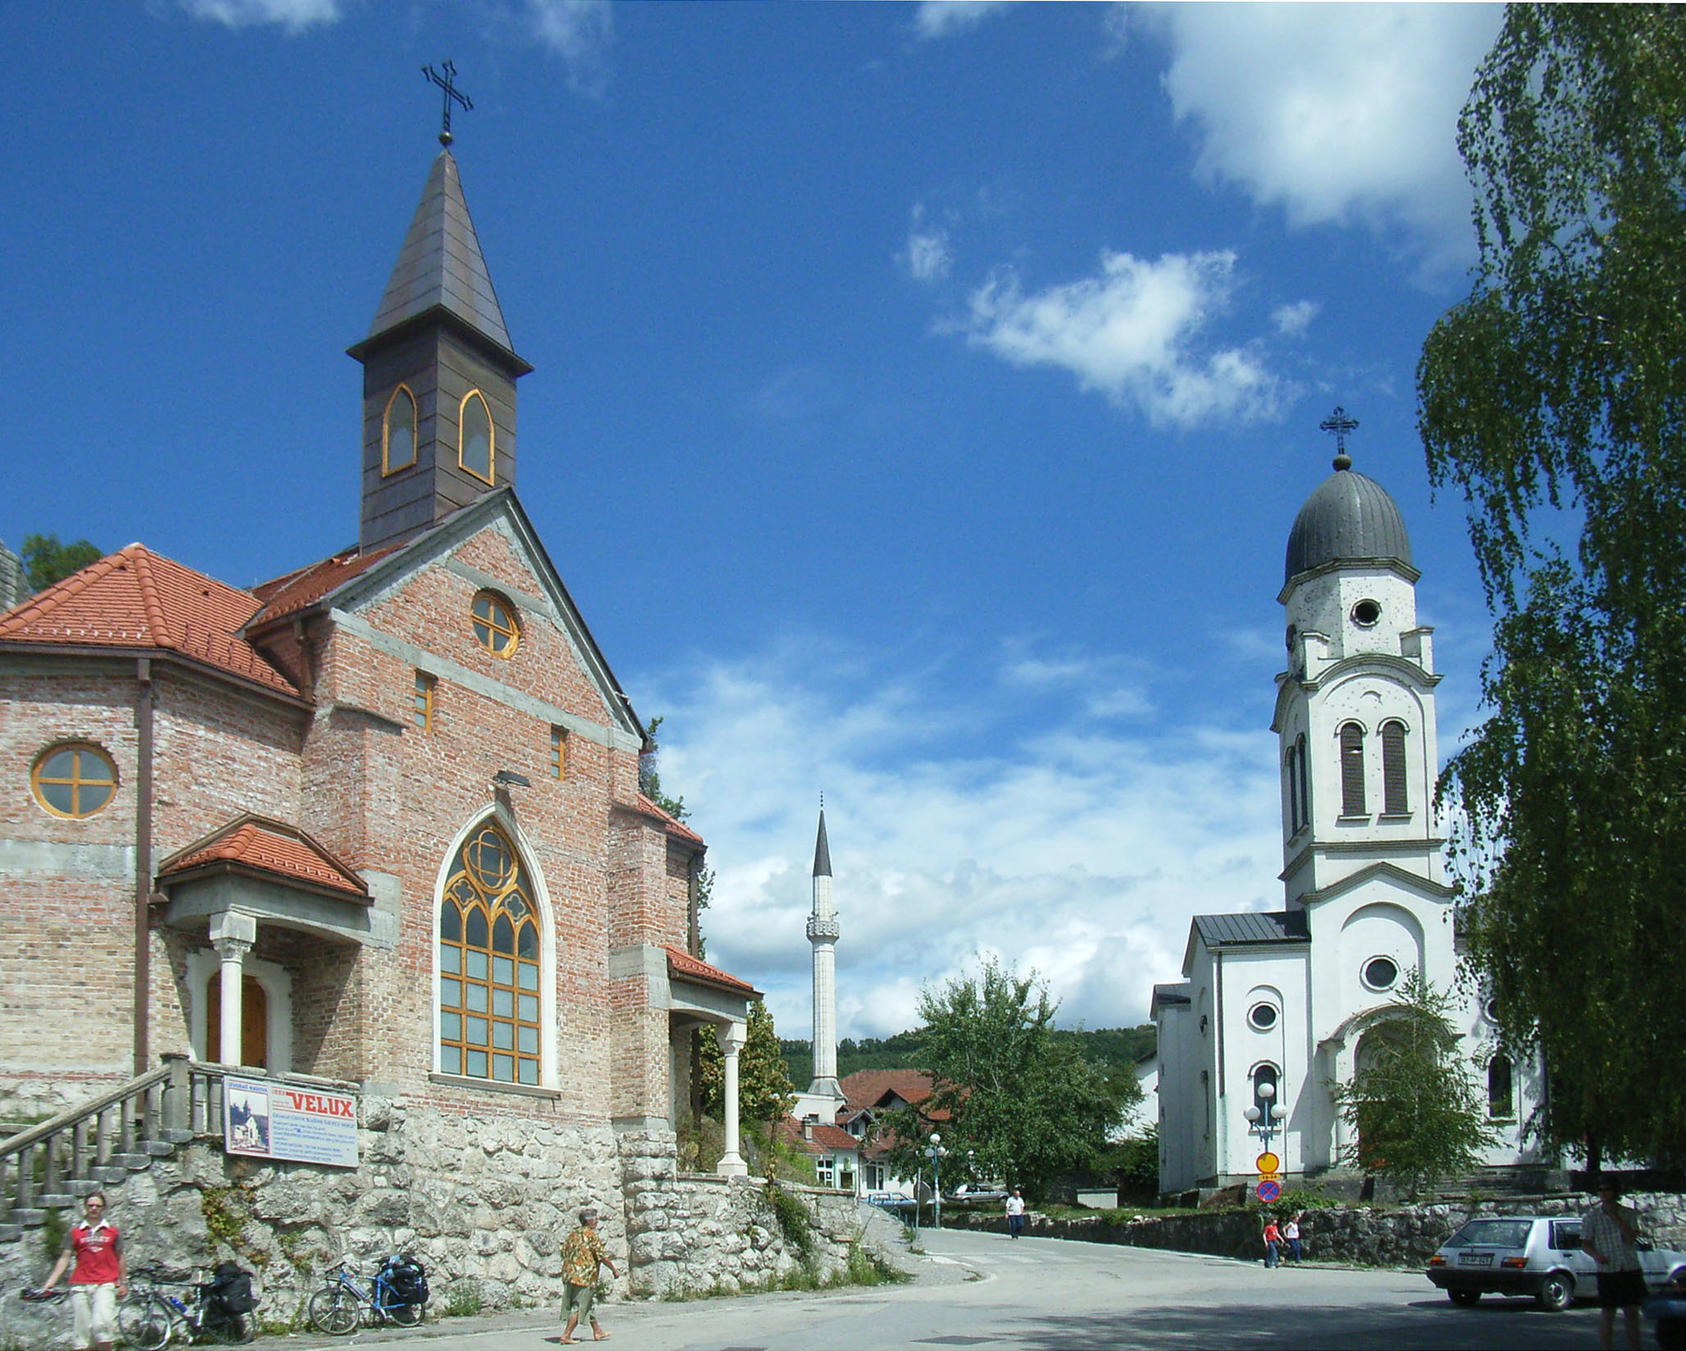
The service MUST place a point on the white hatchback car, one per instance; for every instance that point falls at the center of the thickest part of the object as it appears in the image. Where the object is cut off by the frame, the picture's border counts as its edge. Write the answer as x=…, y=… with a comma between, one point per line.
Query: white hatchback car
x=1533, y=1255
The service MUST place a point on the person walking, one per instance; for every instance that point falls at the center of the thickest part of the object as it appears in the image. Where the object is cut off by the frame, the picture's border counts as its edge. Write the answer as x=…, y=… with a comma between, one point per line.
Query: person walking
x=1272, y=1240
x=1015, y=1214
x=1291, y=1236
x=1608, y=1234
x=98, y=1279
x=582, y=1251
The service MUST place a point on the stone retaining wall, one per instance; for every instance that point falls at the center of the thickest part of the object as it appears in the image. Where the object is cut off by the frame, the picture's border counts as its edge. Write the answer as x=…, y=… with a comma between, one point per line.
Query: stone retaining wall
x=484, y=1203
x=1402, y=1236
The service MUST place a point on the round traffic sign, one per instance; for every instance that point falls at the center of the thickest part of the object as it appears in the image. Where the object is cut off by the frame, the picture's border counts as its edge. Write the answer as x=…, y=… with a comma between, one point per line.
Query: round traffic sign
x=1268, y=1162
x=1270, y=1191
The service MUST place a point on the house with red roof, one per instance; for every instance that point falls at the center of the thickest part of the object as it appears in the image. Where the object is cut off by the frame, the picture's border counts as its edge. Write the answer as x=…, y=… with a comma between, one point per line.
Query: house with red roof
x=376, y=821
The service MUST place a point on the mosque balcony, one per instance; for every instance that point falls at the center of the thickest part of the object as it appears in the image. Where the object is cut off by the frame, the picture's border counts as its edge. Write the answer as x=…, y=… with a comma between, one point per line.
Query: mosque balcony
x=822, y=928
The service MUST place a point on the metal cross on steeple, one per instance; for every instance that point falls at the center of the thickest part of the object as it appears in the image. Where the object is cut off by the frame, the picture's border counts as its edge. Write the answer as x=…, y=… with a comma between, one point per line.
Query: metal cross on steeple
x=446, y=82
x=1340, y=424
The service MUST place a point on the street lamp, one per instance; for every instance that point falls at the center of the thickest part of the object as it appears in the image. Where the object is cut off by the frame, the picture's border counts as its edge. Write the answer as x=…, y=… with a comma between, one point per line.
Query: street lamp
x=936, y=1153
x=1264, y=1123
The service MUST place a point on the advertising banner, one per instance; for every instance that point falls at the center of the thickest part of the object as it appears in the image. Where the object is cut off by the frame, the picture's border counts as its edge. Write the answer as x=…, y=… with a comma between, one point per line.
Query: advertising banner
x=284, y=1121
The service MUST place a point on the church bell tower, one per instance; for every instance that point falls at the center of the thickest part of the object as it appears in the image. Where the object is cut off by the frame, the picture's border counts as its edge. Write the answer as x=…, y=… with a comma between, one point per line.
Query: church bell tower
x=439, y=374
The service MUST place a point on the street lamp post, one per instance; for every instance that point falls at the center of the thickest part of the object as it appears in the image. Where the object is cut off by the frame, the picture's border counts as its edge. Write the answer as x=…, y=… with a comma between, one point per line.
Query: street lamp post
x=936, y=1153
x=1265, y=1124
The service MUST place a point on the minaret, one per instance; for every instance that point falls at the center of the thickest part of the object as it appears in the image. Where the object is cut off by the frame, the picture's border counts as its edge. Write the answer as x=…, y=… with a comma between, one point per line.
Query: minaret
x=822, y=933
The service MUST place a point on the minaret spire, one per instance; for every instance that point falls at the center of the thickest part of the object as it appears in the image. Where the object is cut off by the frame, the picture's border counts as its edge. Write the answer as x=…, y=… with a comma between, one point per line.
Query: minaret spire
x=822, y=934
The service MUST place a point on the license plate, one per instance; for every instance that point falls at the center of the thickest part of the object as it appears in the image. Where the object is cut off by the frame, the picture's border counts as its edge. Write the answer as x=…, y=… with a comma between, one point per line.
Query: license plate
x=1475, y=1259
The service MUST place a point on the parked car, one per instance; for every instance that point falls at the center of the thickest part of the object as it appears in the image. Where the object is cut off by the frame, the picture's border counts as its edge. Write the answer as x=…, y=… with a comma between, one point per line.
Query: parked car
x=889, y=1200
x=1533, y=1255
x=976, y=1191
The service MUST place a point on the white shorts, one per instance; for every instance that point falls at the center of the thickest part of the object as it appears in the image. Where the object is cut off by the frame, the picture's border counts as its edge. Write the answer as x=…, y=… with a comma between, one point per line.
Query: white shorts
x=95, y=1307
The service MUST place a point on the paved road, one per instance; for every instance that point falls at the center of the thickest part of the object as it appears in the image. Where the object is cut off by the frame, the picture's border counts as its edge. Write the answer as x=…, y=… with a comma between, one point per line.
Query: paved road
x=983, y=1290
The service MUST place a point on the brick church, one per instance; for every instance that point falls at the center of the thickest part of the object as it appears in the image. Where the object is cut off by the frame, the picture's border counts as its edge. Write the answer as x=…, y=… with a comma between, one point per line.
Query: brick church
x=377, y=820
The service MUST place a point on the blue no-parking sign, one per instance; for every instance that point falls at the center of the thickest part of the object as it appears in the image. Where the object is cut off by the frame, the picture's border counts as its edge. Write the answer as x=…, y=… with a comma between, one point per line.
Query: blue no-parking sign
x=1269, y=1191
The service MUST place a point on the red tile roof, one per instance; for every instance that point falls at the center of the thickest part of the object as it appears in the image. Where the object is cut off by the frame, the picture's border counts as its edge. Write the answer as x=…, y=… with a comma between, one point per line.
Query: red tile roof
x=867, y=1088
x=255, y=844
x=295, y=591
x=137, y=600
x=682, y=964
x=674, y=825
x=826, y=1138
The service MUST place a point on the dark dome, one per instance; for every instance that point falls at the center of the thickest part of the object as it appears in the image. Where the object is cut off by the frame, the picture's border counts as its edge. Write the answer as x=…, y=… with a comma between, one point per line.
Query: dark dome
x=1348, y=518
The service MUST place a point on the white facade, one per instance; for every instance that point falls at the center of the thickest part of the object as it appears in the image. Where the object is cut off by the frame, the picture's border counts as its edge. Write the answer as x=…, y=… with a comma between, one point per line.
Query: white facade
x=1289, y=996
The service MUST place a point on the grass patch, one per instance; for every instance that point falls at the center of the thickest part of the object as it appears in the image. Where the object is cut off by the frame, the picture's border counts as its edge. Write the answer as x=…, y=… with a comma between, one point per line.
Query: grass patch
x=462, y=1300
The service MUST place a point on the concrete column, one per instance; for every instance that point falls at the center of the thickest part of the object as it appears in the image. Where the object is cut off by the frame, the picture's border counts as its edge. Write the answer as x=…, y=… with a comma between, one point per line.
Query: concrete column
x=232, y=935
x=731, y=1037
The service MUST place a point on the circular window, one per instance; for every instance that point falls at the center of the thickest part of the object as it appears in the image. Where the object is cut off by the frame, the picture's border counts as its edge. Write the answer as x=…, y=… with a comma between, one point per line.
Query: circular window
x=1381, y=973
x=1492, y=1011
x=73, y=779
x=1366, y=613
x=494, y=624
x=1262, y=1016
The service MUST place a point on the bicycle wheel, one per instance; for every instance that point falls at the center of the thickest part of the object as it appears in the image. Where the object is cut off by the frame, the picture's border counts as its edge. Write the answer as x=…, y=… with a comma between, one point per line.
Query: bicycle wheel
x=144, y=1321
x=405, y=1315
x=334, y=1311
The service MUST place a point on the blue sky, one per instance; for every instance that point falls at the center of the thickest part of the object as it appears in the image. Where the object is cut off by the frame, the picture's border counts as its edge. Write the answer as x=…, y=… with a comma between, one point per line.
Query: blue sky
x=923, y=397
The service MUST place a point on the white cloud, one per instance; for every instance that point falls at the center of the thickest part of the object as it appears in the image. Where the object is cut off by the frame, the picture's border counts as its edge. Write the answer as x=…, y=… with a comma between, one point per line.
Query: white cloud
x=294, y=16
x=578, y=31
x=1133, y=333
x=1063, y=844
x=943, y=18
x=1333, y=111
x=1292, y=321
x=928, y=256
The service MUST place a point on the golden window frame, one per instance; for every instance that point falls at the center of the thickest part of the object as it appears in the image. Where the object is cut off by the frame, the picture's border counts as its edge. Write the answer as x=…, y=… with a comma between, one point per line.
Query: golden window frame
x=496, y=625
x=490, y=962
x=75, y=779
x=422, y=701
x=490, y=476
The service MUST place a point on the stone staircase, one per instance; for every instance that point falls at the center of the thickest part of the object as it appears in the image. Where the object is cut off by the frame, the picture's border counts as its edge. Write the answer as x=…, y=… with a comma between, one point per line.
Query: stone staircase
x=100, y=1144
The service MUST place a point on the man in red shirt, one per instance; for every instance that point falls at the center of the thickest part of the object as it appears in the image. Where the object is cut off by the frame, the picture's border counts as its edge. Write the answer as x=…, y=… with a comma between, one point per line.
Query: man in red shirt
x=98, y=1280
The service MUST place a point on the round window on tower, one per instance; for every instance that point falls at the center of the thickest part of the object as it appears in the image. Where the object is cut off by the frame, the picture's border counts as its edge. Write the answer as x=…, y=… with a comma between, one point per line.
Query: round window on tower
x=1381, y=973
x=1262, y=1017
x=1366, y=613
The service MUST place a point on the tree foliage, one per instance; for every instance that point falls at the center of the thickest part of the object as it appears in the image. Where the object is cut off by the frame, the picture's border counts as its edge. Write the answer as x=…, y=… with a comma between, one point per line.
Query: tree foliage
x=46, y=561
x=1417, y=1114
x=764, y=1089
x=1554, y=400
x=1022, y=1101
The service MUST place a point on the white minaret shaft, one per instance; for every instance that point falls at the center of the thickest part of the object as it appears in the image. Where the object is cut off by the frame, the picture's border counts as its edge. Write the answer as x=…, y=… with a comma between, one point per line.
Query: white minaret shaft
x=822, y=933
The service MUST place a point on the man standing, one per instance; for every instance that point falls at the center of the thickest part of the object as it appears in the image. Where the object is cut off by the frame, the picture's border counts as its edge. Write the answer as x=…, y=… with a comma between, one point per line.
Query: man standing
x=582, y=1250
x=1015, y=1214
x=98, y=1280
x=1608, y=1232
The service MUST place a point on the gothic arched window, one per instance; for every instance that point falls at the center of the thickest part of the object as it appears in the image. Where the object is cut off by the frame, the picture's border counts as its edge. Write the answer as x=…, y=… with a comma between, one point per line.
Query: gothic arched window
x=1305, y=781
x=488, y=964
x=1291, y=771
x=1352, y=770
x=474, y=436
x=1500, y=1097
x=398, y=431
x=1394, y=799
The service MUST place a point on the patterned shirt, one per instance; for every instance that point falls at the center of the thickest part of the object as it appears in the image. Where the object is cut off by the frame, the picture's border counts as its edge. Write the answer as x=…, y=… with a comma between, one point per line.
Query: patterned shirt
x=582, y=1250
x=1600, y=1231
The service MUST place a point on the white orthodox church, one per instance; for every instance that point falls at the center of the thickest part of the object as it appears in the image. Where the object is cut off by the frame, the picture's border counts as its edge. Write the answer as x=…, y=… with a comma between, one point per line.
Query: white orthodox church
x=1293, y=998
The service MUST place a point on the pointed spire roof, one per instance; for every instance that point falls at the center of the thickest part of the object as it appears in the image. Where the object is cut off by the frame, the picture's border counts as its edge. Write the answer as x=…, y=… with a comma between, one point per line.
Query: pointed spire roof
x=822, y=851
x=441, y=267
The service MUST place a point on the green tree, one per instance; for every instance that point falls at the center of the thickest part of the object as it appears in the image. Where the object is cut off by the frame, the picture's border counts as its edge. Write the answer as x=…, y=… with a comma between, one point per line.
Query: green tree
x=1554, y=399
x=765, y=1094
x=46, y=561
x=1417, y=1114
x=1022, y=1101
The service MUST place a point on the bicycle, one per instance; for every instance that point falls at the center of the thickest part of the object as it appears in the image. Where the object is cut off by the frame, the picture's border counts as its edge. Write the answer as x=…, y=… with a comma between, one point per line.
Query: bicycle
x=338, y=1307
x=150, y=1316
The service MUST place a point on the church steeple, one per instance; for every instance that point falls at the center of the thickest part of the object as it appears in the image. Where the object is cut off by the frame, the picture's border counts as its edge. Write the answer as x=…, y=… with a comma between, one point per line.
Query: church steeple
x=439, y=375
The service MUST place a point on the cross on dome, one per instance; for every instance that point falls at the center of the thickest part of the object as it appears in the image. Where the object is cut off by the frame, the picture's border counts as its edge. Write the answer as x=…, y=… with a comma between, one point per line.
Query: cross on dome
x=1339, y=424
